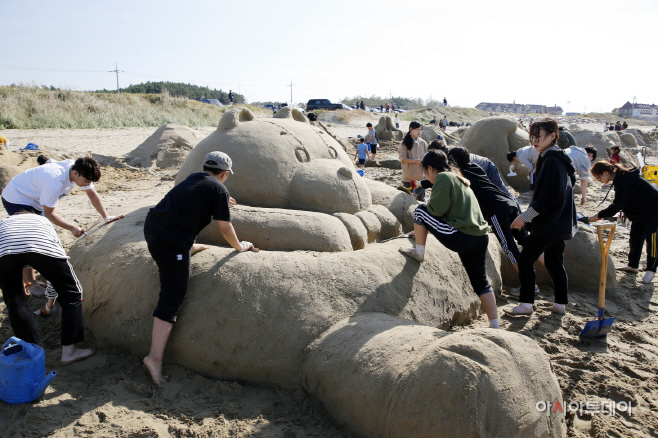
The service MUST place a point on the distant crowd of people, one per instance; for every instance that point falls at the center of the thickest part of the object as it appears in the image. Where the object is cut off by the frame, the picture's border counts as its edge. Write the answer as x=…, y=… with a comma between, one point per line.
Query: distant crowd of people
x=615, y=127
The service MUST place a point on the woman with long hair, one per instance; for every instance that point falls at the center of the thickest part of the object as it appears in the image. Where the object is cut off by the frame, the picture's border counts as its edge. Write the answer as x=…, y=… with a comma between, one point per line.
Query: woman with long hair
x=638, y=199
x=453, y=216
x=411, y=152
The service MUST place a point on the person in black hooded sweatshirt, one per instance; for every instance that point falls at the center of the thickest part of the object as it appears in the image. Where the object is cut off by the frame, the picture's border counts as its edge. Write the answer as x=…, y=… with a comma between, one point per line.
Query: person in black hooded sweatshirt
x=551, y=217
x=638, y=199
x=498, y=207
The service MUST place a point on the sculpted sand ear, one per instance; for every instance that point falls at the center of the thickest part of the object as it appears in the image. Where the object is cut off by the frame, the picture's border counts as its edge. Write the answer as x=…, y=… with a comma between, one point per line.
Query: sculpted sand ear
x=291, y=113
x=234, y=117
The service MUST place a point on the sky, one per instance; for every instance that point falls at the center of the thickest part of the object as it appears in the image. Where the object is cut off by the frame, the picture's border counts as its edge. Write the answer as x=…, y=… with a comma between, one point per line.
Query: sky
x=584, y=55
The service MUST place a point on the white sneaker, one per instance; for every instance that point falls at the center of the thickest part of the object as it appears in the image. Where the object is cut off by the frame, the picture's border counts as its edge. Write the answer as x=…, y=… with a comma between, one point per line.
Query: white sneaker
x=648, y=277
x=560, y=309
x=516, y=291
x=413, y=254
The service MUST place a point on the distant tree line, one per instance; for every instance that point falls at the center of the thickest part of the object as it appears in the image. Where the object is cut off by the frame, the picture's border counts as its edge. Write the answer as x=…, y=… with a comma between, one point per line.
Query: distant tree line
x=399, y=102
x=179, y=89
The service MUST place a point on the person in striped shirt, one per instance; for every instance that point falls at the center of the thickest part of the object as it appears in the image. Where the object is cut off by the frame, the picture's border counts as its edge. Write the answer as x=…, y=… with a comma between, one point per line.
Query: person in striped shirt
x=30, y=239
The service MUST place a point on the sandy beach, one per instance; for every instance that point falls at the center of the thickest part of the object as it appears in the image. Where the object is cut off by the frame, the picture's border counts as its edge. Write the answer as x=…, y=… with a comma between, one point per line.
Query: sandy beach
x=111, y=394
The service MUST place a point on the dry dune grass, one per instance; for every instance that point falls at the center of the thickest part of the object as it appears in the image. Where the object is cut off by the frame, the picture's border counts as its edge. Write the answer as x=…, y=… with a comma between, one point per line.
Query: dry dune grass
x=31, y=107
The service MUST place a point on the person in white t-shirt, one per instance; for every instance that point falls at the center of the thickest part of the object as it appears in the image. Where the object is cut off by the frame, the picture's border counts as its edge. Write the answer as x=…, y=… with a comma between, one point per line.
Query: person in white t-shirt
x=38, y=190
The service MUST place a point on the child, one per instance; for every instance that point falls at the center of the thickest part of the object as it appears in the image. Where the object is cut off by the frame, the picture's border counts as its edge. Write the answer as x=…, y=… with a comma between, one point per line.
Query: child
x=39, y=189
x=397, y=121
x=362, y=152
x=371, y=139
x=582, y=161
x=453, y=216
x=552, y=216
x=170, y=229
x=615, y=158
x=638, y=199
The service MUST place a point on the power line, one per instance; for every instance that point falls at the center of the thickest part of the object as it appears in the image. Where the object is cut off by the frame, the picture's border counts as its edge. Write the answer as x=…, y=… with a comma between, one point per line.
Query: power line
x=51, y=69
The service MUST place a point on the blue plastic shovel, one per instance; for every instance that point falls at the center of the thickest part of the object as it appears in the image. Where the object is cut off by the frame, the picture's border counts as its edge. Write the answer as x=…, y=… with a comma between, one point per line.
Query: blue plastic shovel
x=601, y=326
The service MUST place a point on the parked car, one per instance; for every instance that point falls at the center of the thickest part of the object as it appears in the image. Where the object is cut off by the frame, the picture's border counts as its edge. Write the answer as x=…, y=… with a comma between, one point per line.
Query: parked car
x=347, y=108
x=270, y=107
x=325, y=104
x=400, y=111
x=215, y=102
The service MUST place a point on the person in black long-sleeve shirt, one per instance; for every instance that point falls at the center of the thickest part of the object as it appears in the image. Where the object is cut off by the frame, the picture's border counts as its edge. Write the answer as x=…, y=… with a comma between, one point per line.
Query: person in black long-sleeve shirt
x=498, y=208
x=551, y=216
x=638, y=199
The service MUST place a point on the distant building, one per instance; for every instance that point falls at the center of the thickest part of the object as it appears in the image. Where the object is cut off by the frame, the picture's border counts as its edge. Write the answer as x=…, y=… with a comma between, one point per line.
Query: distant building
x=572, y=114
x=639, y=110
x=518, y=108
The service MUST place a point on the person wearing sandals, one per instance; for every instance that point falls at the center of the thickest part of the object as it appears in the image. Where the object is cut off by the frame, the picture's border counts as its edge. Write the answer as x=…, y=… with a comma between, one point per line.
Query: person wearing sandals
x=30, y=239
x=638, y=199
x=453, y=216
x=551, y=217
x=170, y=230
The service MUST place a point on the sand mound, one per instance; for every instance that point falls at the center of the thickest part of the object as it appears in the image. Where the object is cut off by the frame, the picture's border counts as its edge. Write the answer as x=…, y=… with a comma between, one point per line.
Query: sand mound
x=628, y=139
x=494, y=137
x=12, y=164
x=415, y=381
x=167, y=147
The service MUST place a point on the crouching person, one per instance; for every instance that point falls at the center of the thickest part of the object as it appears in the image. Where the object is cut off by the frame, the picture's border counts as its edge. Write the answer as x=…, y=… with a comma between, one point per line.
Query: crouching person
x=170, y=230
x=30, y=239
x=454, y=217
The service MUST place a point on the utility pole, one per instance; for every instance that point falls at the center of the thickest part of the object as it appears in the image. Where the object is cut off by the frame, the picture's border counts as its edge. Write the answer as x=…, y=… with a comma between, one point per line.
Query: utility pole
x=117, y=71
x=290, y=91
x=633, y=110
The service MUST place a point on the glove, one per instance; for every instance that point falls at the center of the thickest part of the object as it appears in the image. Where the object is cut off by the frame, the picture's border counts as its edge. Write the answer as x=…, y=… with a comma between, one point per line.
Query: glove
x=110, y=218
x=246, y=246
x=583, y=219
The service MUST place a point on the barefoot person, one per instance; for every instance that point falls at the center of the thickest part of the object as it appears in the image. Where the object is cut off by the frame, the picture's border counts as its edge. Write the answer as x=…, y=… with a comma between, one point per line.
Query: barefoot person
x=39, y=189
x=552, y=218
x=30, y=239
x=453, y=216
x=170, y=230
x=638, y=199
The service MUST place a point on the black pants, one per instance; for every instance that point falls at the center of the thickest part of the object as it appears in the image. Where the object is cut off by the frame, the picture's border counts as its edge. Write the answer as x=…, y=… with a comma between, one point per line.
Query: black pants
x=641, y=231
x=472, y=250
x=553, y=258
x=501, y=224
x=59, y=273
x=174, y=268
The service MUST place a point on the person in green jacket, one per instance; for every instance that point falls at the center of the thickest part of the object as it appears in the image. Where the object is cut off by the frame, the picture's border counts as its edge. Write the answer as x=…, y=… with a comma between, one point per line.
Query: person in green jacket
x=453, y=216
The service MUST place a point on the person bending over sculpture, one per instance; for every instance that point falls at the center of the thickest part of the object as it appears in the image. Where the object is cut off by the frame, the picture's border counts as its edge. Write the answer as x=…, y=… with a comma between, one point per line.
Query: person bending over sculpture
x=39, y=189
x=551, y=216
x=454, y=217
x=29, y=239
x=528, y=157
x=638, y=199
x=170, y=230
x=582, y=161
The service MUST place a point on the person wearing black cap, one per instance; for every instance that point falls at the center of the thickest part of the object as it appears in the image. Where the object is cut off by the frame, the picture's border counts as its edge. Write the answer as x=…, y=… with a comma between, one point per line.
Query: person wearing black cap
x=170, y=230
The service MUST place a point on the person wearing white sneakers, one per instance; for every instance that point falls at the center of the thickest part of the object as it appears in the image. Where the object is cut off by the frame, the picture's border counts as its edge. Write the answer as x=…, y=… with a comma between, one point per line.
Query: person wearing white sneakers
x=170, y=230
x=638, y=199
x=454, y=217
x=551, y=216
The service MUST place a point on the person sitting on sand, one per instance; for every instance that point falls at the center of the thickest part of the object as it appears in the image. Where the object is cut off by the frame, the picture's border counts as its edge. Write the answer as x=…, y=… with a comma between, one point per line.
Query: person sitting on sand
x=638, y=199
x=30, y=239
x=170, y=230
x=453, y=216
x=39, y=189
x=552, y=216
x=582, y=161
x=362, y=152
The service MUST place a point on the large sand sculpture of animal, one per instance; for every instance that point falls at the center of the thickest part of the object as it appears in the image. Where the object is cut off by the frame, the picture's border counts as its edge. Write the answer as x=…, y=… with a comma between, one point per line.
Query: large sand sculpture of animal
x=360, y=329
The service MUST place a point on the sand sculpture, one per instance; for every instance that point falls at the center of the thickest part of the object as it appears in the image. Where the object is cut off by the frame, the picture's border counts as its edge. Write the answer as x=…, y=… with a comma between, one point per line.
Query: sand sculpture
x=494, y=137
x=357, y=329
x=166, y=147
x=12, y=164
x=628, y=139
x=386, y=129
x=430, y=133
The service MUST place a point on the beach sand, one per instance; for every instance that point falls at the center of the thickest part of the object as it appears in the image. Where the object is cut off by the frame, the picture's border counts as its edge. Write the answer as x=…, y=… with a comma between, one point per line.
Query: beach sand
x=111, y=394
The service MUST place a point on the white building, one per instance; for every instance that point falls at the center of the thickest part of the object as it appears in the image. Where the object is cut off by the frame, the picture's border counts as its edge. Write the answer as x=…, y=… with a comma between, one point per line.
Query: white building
x=639, y=110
